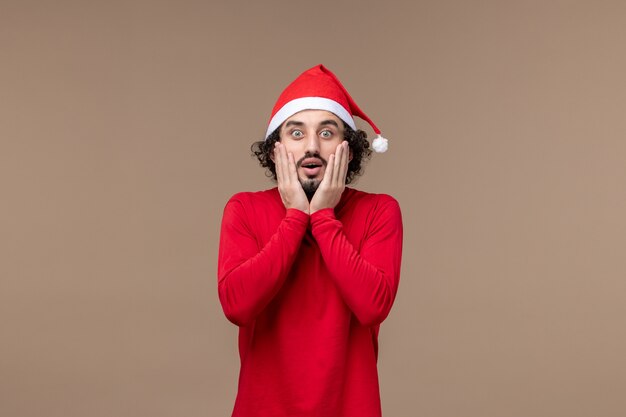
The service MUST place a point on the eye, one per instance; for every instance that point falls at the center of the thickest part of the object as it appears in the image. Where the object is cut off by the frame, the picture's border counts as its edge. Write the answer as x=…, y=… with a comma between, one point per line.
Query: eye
x=326, y=134
x=297, y=134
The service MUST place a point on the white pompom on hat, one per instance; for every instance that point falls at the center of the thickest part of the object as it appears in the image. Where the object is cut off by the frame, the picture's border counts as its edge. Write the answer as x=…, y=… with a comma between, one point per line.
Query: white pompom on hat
x=319, y=89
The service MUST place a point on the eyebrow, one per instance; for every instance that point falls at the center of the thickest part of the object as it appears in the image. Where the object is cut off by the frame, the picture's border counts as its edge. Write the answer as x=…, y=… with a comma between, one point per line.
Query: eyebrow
x=293, y=123
x=329, y=122
x=322, y=123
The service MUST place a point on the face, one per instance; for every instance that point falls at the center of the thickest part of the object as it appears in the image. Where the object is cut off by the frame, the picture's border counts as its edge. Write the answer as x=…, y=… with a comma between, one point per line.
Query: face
x=311, y=136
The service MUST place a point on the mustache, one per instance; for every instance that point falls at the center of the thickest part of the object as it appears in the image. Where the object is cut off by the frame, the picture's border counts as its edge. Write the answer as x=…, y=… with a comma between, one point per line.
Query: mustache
x=311, y=155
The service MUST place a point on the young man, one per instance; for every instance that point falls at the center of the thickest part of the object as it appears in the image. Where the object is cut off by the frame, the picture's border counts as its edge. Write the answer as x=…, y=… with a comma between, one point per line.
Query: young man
x=308, y=270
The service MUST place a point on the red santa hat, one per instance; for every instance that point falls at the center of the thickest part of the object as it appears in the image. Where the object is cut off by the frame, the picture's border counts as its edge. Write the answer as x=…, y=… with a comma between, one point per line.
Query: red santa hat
x=319, y=89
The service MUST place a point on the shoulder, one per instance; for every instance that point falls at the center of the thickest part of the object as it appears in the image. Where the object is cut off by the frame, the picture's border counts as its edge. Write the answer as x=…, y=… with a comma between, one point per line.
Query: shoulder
x=368, y=209
x=243, y=207
x=370, y=214
x=254, y=198
x=371, y=200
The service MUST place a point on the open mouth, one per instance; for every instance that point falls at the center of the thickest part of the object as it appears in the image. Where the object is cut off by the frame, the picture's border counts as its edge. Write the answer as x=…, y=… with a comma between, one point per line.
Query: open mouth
x=311, y=162
x=311, y=166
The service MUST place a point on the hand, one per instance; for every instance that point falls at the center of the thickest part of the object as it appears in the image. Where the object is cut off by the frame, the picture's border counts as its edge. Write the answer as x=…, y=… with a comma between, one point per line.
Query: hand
x=330, y=189
x=289, y=186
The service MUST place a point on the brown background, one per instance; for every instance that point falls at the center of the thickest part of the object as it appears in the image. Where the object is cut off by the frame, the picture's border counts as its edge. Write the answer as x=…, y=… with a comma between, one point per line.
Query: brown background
x=126, y=125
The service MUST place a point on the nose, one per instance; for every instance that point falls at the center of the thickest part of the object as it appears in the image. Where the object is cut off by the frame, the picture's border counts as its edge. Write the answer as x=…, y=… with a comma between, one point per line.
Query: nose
x=312, y=143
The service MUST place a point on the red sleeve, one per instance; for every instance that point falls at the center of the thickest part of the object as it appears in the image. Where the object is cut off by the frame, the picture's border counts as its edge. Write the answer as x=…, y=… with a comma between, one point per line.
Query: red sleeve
x=248, y=278
x=367, y=280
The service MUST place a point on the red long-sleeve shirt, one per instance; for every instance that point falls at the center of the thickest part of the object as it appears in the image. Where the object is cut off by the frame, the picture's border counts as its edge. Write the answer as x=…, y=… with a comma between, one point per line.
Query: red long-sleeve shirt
x=308, y=294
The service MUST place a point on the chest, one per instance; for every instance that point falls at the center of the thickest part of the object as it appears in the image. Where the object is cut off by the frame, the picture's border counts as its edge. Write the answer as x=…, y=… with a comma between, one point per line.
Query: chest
x=354, y=221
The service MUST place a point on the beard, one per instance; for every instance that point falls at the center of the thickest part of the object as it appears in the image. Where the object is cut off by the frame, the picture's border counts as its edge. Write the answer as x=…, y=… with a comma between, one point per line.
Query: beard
x=310, y=185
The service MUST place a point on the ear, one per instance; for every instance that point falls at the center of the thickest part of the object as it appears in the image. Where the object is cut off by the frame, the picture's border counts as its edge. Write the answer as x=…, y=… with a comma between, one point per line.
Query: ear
x=350, y=154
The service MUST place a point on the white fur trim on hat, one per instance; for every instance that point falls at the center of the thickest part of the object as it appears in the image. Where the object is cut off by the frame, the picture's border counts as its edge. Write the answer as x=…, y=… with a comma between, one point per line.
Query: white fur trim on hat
x=309, y=103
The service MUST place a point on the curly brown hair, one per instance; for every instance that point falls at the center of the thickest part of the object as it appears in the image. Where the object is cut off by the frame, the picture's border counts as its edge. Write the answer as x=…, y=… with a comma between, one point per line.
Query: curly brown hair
x=357, y=141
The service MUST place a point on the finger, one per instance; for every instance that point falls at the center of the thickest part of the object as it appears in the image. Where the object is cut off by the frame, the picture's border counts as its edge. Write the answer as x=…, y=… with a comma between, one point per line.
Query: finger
x=330, y=167
x=283, y=165
x=278, y=163
x=282, y=158
x=344, y=164
x=337, y=167
x=293, y=172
